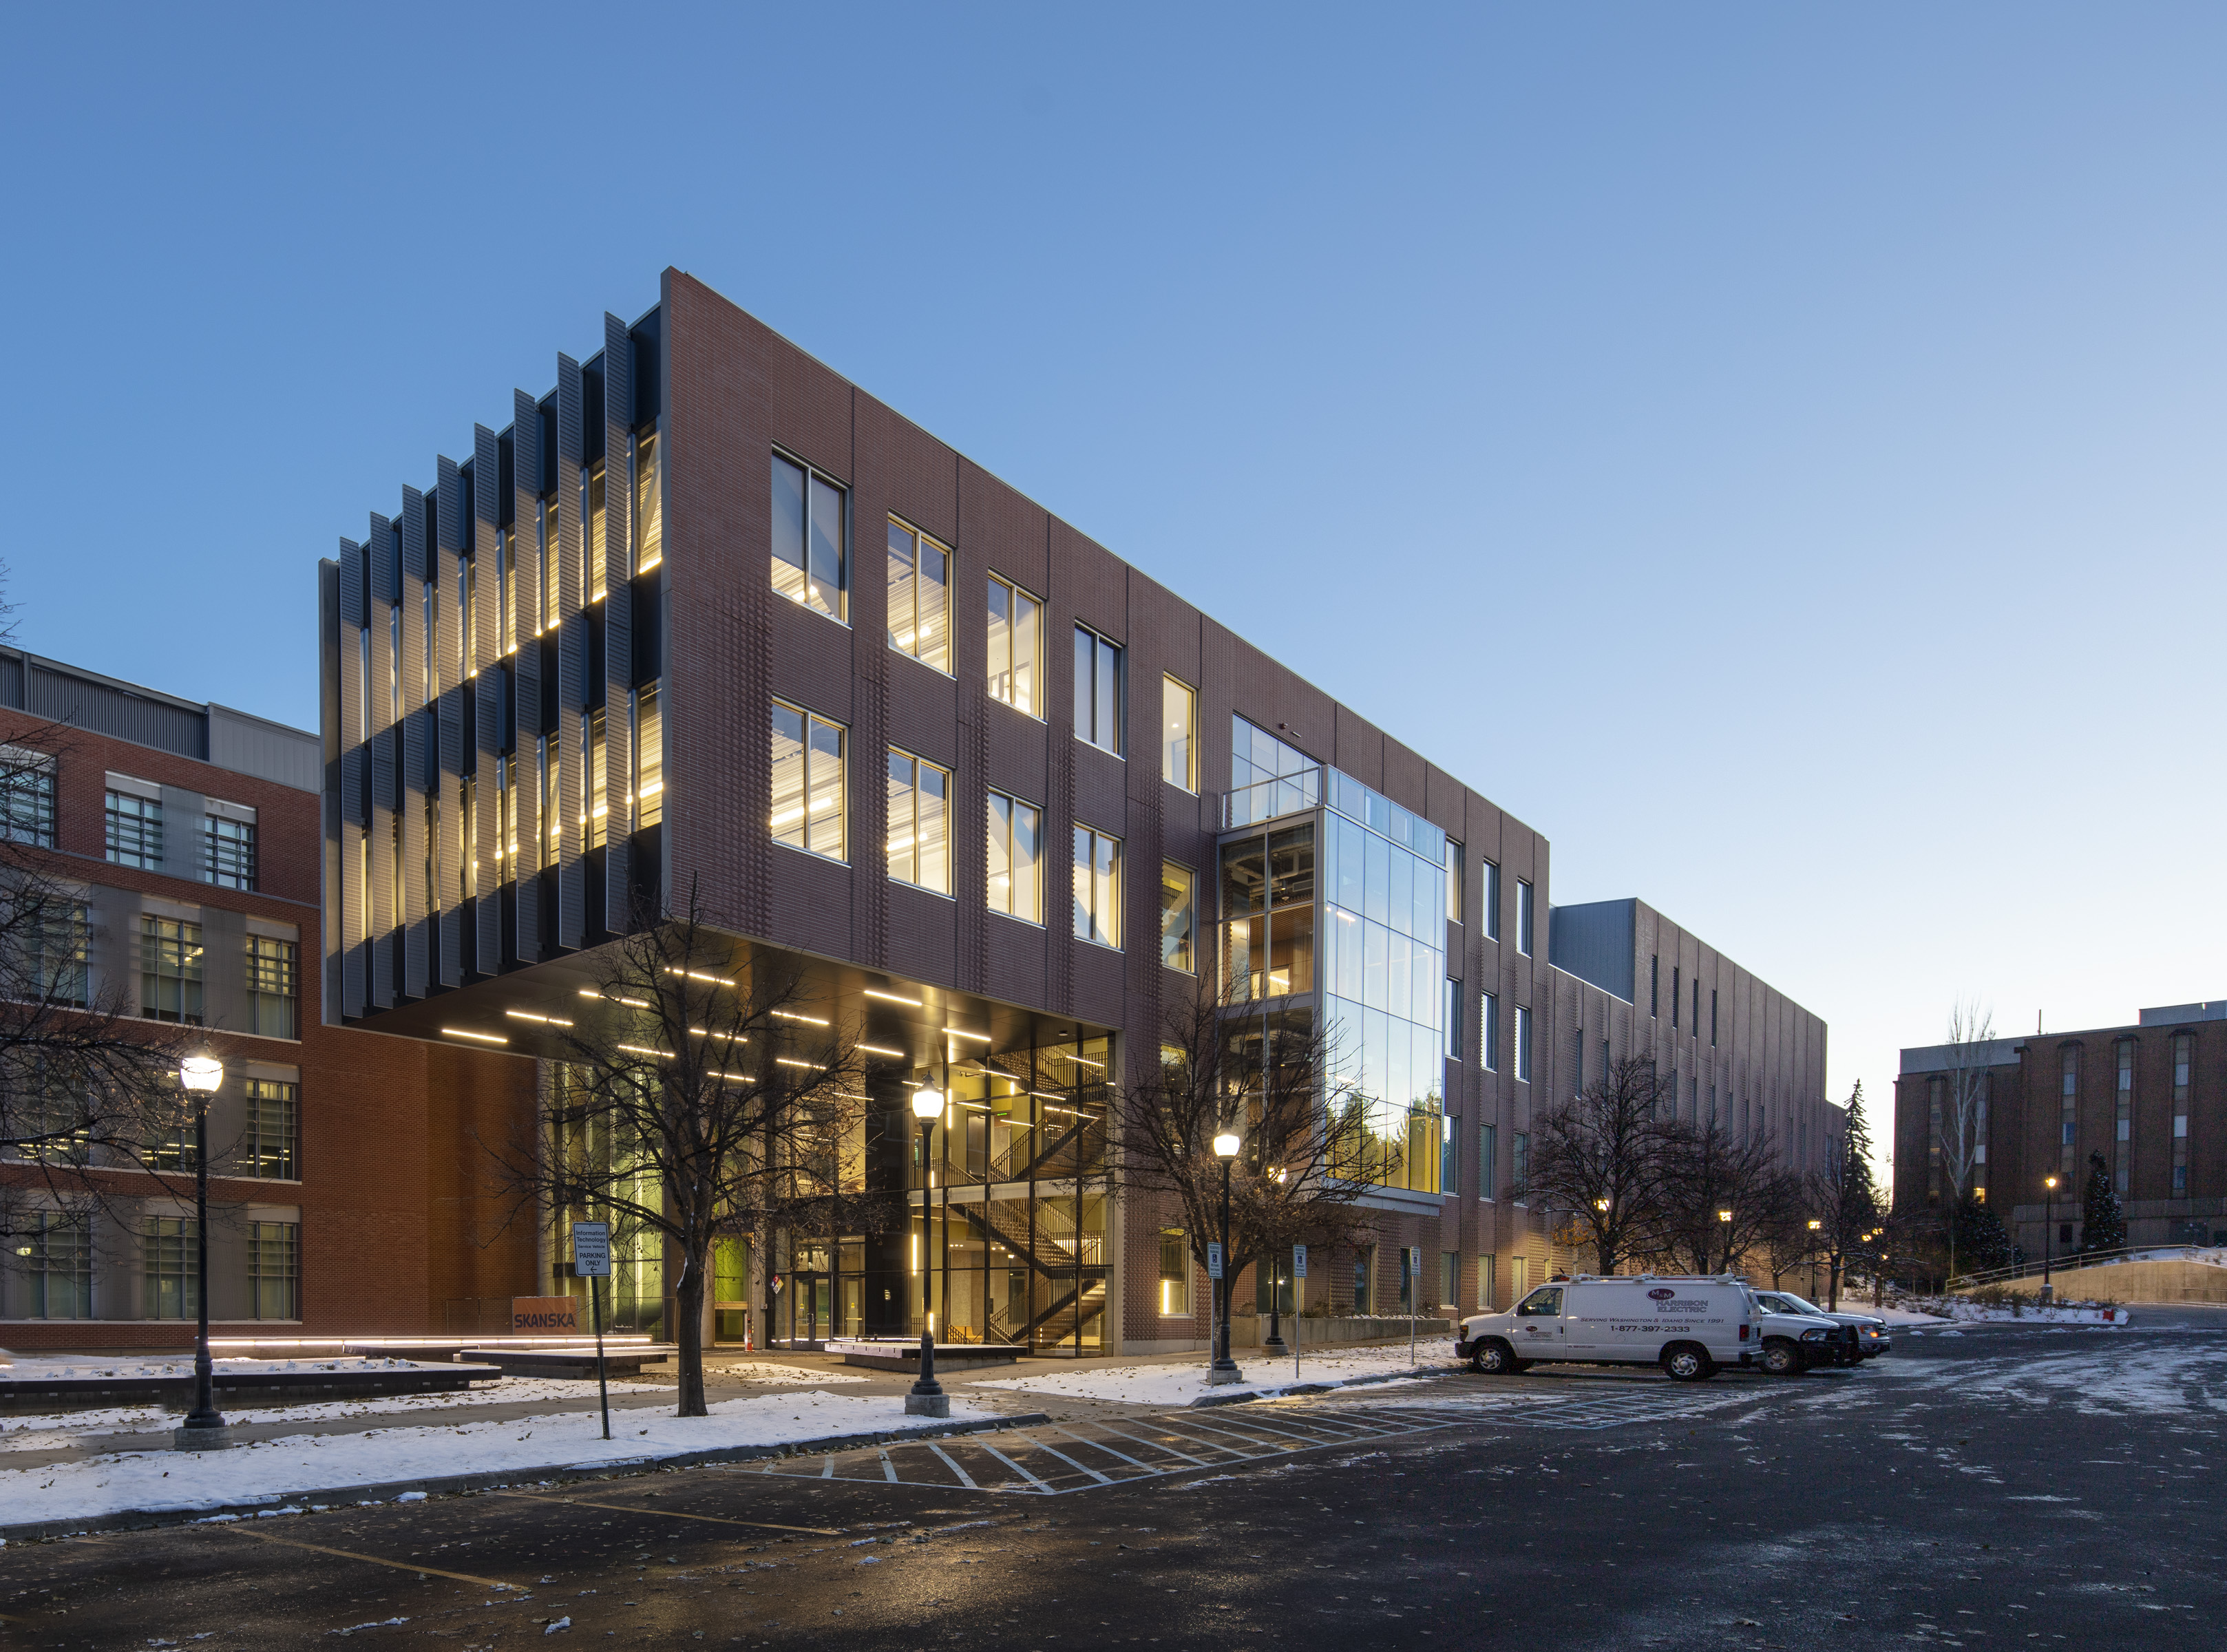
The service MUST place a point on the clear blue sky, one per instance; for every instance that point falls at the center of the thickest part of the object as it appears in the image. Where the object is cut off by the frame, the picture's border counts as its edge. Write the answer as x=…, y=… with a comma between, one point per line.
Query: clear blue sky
x=1808, y=420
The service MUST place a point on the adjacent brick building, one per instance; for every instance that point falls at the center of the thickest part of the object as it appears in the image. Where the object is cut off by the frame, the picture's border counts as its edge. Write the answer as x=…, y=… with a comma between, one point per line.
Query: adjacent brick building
x=344, y=1200
x=707, y=618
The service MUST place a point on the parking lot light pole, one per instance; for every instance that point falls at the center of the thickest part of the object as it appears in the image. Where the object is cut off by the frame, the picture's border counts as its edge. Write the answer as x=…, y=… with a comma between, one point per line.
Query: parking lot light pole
x=1224, y=1370
x=926, y=1398
x=1726, y=1217
x=2048, y=1232
x=1274, y=1345
x=204, y=1428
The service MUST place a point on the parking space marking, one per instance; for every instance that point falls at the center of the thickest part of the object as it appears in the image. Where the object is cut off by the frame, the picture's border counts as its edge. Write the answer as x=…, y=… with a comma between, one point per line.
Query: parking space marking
x=964, y=1478
x=671, y=1514
x=376, y=1559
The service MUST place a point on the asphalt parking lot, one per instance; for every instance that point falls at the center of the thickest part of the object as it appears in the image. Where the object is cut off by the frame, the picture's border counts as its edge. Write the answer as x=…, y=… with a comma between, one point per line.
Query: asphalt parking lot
x=2015, y=1483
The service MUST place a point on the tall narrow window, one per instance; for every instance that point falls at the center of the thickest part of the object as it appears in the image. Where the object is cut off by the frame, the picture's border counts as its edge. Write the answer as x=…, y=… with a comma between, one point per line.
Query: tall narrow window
x=1488, y=1137
x=1097, y=887
x=60, y=937
x=432, y=652
x=1524, y=917
x=919, y=796
x=1449, y=1161
x=274, y=1259
x=808, y=810
x=1677, y=992
x=1178, y=917
x=553, y=573
x=2069, y=1118
x=363, y=682
x=1097, y=690
x=649, y=758
x=395, y=662
x=1015, y=886
x=592, y=545
x=1488, y=1032
x=505, y=818
x=2122, y=1150
x=1524, y=1043
x=270, y=1144
x=468, y=866
x=1175, y=1274
x=1016, y=647
x=1697, y=1006
x=920, y=596
x=170, y=1267
x=2183, y=1062
x=1519, y=1169
x=1178, y=725
x=274, y=968
x=1654, y=986
x=1453, y=880
x=1453, y=1049
x=228, y=845
x=60, y=1266
x=27, y=797
x=1491, y=873
x=1578, y=1062
x=552, y=813
x=1484, y=1297
x=595, y=782
x=506, y=551
x=169, y=970
x=808, y=539
x=648, y=502
x=467, y=624
x=135, y=828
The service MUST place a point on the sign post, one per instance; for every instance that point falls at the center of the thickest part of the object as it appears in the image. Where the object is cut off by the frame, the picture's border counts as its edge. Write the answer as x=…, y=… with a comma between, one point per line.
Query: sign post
x=592, y=1260
x=1299, y=1302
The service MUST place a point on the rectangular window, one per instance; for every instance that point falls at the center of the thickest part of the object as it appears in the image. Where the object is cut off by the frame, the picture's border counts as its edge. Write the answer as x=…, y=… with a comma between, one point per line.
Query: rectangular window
x=1520, y=1169
x=1488, y=1032
x=1578, y=1062
x=171, y=1268
x=648, y=502
x=60, y=936
x=649, y=758
x=595, y=788
x=550, y=747
x=1364, y=1272
x=505, y=552
x=1178, y=917
x=552, y=574
x=273, y=967
x=920, y=596
x=2068, y=1124
x=27, y=797
x=2122, y=1151
x=2183, y=1062
x=1097, y=887
x=1097, y=690
x=169, y=970
x=1697, y=1006
x=1453, y=881
x=60, y=1266
x=919, y=795
x=808, y=803
x=1488, y=1161
x=270, y=1144
x=1448, y=1157
x=1491, y=876
x=228, y=849
x=1712, y=1018
x=1654, y=986
x=1522, y=1043
x=135, y=830
x=1016, y=647
x=1175, y=1274
x=1016, y=885
x=808, y=539
x=1677, y=993
x=274, y=1263
x=1178, y=745
x=1524, y=917
x=1484, y=1297
x=1449, y=1279
x=1453, y=1047
x=592, y=546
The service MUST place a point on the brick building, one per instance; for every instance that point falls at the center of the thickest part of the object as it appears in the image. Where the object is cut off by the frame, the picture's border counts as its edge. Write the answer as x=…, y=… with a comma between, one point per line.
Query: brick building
x=2152, y=1097
x=707, y=617
x=342, y=1199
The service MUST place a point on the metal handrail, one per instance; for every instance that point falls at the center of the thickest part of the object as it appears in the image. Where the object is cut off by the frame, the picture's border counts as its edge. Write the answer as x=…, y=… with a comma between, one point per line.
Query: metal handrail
x=2072, y=1260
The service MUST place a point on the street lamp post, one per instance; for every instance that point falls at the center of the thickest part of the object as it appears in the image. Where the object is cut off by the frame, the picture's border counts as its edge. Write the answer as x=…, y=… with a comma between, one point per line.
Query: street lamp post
x=926, y=1398
x=1724, y=1218
x=2048, y=1232
x=204, y=1428
x=1815, y=1225
x=1274, y=1345
x=1224, y=1370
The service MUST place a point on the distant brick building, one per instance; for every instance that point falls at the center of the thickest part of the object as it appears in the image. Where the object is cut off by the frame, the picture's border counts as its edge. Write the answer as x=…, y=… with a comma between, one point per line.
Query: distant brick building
x=2151, y=1098
x=346, y=1198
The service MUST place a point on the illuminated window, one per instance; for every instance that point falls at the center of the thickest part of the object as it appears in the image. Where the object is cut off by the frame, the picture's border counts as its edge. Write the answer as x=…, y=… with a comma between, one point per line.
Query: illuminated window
x=595, y=784
x=1097, y=887
x=808, y=801
x=274, y=975
x=592, y=543
x=649, y=758
x=170, y=1267
x=648, y=502
x=270, y=1146
x=1097, y=690
x=169, y=970
x=1178, y=917
x=1175, y=1274
x=808, y=539
x=1178, y=746
x=1016, y=647
x=920, y=596
x=274, y=1259
x=59, y=1253
x=1015, y=886
x=919, y=794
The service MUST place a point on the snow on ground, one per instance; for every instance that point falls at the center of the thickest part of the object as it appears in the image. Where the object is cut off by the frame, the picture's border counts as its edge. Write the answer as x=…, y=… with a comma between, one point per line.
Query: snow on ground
x=764, y=1371
x=273, y=1471
x=51, y=1430
x=1180, y=1384
x=27, y=1368
x=2031, y=1313
x=2140, y=1378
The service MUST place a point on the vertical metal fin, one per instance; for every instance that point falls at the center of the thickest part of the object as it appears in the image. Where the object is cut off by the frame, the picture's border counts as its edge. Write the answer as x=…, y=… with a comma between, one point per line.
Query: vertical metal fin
x=487, y=558
x=448, y=649
x=571, y=659
x=618, y=623
x=379, y=547
x=413, y=538
x=353, y=758
x=415, y=915
x=526, y=666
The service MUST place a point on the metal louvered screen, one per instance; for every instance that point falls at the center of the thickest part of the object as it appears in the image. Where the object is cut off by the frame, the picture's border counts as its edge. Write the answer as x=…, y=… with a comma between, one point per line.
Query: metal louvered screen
x=448, y=649
x=379, y=547
x=526, y=666
x=618, y=623
x=353, y=758
x=486, y=605
x=571, y=659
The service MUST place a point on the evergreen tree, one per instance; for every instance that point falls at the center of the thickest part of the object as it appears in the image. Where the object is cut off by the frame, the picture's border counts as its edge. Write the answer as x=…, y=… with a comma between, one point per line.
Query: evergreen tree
x=1844, y=1198
x=1982, y=1242
x=2102, y=1224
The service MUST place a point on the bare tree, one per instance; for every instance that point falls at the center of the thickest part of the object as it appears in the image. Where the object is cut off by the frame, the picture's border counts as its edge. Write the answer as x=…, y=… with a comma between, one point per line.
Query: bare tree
x=1310, y=1142
x=1598, y=1160
x=1722, y=1198
x=701, y=1093
x=1964, y=1113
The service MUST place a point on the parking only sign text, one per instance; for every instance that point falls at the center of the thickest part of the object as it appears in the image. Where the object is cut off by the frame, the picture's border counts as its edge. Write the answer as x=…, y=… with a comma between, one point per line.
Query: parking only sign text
x=591, y=1250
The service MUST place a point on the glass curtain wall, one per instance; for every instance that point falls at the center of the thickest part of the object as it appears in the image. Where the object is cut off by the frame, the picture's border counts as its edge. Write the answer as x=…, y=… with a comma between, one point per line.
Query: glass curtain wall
x=1007, y=1233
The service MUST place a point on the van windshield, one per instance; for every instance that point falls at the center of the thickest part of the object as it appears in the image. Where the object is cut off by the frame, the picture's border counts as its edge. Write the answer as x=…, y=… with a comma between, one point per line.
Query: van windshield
x=1540, y=1304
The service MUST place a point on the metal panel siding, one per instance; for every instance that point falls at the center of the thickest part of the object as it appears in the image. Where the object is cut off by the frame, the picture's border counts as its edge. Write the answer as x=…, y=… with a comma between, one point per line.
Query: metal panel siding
x=571, y=659
x=415, y=940
x=525, y=664
x=487, y=557
x=413, y=537
x=254, y=745
x=618, y=621
x=379, y=546
x=449, y=851
x=352, y=706
x=328, y=801
x=64, y=696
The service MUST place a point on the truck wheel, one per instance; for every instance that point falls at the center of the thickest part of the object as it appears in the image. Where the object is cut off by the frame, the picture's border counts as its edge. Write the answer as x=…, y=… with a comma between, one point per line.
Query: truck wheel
x=1689, y=1362
x=1783, y=1358
x=1492, y=1357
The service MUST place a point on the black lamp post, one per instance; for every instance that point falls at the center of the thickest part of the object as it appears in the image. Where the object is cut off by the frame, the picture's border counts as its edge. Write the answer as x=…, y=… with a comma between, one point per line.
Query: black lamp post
x=1224, y=1370
x=204, y=1428
x=926, y=1398
x=1274, y=1346
x=2048, y=1232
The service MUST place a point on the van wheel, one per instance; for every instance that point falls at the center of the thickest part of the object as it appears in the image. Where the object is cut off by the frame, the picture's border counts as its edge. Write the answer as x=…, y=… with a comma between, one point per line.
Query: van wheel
x=1494, y=1358
x=1783, y=1358
x=1689, y=1362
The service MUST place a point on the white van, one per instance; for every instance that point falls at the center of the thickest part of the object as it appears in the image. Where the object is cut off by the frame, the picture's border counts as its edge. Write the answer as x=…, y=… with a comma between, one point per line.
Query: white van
x=1687, y=1325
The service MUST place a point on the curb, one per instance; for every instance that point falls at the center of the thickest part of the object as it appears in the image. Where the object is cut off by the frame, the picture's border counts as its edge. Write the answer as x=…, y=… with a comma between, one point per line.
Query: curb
x=1301, y=1387
x=497, y=1479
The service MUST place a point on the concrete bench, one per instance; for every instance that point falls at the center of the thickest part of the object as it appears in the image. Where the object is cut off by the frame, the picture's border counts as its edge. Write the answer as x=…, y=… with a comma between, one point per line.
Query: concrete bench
x=570, y=1362
x=894, y=1355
